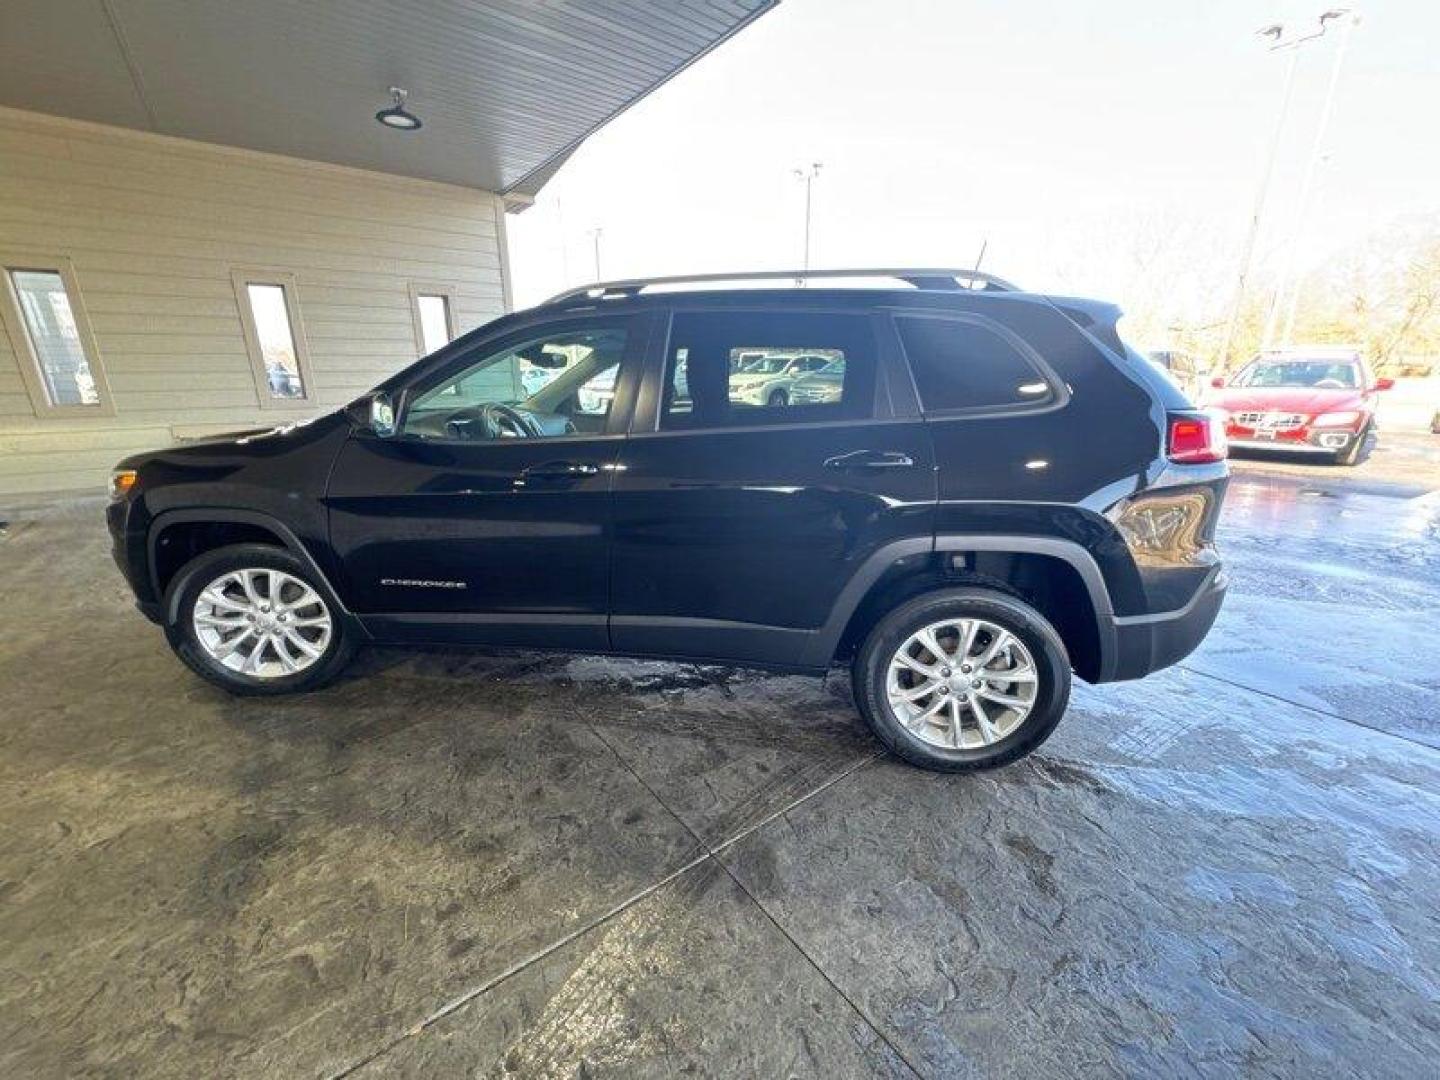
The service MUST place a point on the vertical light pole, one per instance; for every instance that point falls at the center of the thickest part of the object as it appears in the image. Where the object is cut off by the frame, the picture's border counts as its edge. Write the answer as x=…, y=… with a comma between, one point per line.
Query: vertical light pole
x=808, y=176
x=1307, y=187
x=595, y=234
x=1279, y=43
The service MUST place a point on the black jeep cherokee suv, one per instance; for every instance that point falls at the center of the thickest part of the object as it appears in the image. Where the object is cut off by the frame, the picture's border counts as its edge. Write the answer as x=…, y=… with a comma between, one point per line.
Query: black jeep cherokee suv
x=968, y=492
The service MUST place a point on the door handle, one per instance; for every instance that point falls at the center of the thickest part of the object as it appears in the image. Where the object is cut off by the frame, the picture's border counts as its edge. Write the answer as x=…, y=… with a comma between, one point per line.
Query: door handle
x=871, y=459
x=560, y=470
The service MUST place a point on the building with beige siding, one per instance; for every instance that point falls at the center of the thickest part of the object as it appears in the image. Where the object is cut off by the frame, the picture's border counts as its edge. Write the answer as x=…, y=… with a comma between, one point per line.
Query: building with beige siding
x=199, y=234
x=156, y=243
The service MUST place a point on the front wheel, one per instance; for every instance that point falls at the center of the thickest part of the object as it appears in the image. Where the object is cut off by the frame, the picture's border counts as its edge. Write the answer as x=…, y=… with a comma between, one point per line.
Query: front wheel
x=962, y=679
x=1352, y=454
x=251, y=619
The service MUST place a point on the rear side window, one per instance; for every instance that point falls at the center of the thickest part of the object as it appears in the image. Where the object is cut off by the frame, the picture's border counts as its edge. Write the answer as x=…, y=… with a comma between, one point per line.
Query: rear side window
x=741, y=368
x=963, y=365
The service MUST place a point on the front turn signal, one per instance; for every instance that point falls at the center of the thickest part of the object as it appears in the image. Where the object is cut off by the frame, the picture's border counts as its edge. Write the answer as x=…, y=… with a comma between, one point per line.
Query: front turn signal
x=121, y=482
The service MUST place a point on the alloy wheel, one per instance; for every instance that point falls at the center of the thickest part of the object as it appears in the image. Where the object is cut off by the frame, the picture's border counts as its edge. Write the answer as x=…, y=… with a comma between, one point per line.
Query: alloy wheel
x=262, y=623
x=962, y=684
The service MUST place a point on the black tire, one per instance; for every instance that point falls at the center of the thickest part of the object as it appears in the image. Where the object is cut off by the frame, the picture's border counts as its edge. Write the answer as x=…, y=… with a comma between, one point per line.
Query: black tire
x=1019, y=618
x=180, y=630
x=778, y=399
x=1356, y=451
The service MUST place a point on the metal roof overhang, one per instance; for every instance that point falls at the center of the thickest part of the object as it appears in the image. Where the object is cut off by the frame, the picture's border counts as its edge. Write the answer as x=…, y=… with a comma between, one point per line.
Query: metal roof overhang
x=507, y=89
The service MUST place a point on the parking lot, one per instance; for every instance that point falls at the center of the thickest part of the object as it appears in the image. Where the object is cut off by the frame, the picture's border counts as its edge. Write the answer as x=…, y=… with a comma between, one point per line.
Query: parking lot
x=542, y=865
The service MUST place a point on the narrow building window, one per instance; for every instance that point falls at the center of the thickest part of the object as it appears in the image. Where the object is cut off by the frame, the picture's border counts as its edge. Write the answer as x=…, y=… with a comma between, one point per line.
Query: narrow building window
x=273, y=337
x=58, y=358
x=434, y=321
x=433, y=310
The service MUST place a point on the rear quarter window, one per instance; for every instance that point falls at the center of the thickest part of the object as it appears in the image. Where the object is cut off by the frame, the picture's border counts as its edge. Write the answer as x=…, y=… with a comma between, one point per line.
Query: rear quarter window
x=963, y=365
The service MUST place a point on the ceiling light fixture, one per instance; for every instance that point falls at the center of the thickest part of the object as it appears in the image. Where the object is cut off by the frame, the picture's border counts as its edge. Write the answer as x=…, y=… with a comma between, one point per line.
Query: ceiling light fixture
x=396, y=116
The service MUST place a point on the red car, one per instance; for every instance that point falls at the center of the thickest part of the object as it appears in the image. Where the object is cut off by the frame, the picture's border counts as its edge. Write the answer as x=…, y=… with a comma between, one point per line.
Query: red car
x=1312, y=401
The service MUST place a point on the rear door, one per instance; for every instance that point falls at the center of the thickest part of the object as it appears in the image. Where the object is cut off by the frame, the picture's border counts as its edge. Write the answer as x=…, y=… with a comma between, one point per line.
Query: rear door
x=738, y=520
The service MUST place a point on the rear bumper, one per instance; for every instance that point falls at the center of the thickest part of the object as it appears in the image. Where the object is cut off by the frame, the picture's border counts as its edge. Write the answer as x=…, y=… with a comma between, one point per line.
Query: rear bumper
x=1146, y=643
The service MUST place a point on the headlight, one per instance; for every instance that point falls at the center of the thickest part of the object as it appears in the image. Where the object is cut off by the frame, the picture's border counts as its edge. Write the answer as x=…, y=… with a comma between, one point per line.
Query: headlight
x=122, y=482
x=1335, y=419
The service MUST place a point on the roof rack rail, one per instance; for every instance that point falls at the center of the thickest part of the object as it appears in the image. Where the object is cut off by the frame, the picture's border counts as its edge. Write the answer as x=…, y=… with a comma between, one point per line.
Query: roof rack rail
x=944, y=279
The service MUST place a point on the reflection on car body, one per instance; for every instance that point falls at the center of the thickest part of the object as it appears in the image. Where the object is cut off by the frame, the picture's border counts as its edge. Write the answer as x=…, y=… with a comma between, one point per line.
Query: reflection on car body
x=769, y=378
x=821, y=387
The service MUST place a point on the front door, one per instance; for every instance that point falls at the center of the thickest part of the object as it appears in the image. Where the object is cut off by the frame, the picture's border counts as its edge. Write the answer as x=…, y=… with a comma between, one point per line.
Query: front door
x=486, y=517
x=771, y=472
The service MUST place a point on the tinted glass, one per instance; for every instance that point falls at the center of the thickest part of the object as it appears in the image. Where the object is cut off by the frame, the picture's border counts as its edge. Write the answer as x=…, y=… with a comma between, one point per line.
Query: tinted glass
x=277, y=340
x=560, y=383
x=734, y=369
x=55, y=337
x=961, y=365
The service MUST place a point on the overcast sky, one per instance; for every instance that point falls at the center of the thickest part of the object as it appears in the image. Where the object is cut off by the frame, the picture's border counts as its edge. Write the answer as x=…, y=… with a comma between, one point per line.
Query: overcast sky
x=1068, y=135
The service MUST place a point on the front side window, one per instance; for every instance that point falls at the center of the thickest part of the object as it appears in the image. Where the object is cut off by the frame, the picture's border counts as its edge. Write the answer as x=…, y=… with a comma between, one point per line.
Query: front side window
x=54, y=345
x=734, y=369
x=963, y=365
x=557, y=383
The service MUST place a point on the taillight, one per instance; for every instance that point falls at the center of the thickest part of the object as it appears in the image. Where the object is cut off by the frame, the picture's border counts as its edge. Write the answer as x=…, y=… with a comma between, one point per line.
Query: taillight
x=1196, y=438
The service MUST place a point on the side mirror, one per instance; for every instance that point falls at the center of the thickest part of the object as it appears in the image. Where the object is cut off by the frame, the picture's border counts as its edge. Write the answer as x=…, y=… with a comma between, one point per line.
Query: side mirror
x=382, y=415
x=1384, y=384
x=1218, y=382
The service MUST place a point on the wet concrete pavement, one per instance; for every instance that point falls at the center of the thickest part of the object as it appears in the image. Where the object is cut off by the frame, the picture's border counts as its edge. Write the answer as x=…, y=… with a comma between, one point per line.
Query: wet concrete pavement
x=453, y=864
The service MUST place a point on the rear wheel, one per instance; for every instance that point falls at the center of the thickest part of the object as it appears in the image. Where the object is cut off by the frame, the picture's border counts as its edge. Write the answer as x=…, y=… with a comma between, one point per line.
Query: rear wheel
x=962, y=679
x=251, y=619
x=778, y=399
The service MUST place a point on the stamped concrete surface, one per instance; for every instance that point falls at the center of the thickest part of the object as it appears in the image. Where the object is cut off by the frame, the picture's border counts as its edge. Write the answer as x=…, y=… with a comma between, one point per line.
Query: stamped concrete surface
x=457, y=864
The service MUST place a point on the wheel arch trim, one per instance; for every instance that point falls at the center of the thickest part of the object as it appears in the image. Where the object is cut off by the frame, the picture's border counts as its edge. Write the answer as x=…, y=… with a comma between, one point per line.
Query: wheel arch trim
x=232, y=516
x=827, y=638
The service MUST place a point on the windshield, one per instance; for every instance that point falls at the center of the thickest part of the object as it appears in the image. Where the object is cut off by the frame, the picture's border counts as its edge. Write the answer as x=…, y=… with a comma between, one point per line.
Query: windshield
x=1319, y=374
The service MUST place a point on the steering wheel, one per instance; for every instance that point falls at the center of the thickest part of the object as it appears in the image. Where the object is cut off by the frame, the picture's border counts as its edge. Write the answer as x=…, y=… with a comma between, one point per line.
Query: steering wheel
x=496, y=421
x=1329, y=384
